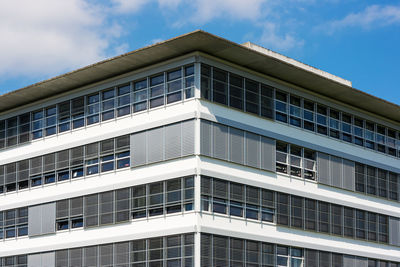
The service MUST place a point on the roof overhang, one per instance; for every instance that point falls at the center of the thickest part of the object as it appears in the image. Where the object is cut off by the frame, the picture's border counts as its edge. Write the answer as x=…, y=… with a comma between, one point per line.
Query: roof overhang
x=244, y=55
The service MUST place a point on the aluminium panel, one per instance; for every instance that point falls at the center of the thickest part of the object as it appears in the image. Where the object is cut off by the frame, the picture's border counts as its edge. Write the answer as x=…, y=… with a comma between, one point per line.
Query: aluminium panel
x=349, y=261
x=173, y=141
x=155, y=145
x=348, y=175
x=206, y=138
x=188, y=137
x=34, y=260
x=48, y=218
x=48, y=259
x=220, y=141
x=323, y=168
x=268, y=154
x=138, y=149
x=253, y=150
x=394, y=231
x=336, y=171
x=35, y=220
x=236, y=145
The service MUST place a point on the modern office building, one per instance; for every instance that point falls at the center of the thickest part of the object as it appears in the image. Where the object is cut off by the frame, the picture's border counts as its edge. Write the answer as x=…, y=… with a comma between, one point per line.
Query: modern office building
x=198, y=151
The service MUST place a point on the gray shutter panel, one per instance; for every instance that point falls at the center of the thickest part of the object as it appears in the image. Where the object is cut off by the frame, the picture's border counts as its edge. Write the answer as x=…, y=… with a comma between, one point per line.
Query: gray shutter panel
x=23, y=170
x=75, y=257
x=11, y=173
x=311, y=258
x=62, y=208
x=122, y=143
x=62, y=258
x=252, y=150
x=173, y=138
x=34, y=260
x=49, y=162
x=122, y=209
x=268, y=154
x=90, y=256
x=107, y=146
x=77, y=156
x=323, y=168
x=138, y=149
x=91, y=211
x=188, y=138
x=361, y=262
x=106, y=203
x=220, y=188
x=92, y=150
x=394, y=231
x=48, y=259
x=237, y=192
x=48, y=218
x=349, y=175
x=63, y=159
x=220, y=141
x=121, y=254
x=106, y=255
x=1, y=175
x=155, y=145
x=336, y=171
x=398, y=187
x=36, y=166
x=34, y=220
x=206, y=138
x=236, y=145
x=349, y=261
x=76, y=206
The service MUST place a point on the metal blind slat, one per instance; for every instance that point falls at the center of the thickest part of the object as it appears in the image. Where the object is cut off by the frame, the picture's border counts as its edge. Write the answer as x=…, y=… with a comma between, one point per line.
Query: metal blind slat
x=236, y=145
x=188, y=138
x=173, y=138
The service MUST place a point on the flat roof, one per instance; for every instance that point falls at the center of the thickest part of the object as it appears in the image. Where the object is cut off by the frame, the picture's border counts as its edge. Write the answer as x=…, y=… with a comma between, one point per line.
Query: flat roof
x=248, y=55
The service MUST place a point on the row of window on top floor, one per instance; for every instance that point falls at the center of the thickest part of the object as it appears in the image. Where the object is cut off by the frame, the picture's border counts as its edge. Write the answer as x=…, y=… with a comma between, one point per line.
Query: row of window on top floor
x=250, y=96
x=142, y=94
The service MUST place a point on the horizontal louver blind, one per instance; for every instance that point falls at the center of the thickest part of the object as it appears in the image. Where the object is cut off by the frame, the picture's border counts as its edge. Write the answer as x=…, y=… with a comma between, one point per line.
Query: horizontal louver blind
x=220, y=189
x=107, y=146
x=23, y=170
x=62, y=208
x=77, y=156
x=49, y=162
x=92, y=150
x=122, y=142
x=63, y=159
x=11, y=173
x=76, y=206
x=237, y=192
x=78, y=105
x=252, y=195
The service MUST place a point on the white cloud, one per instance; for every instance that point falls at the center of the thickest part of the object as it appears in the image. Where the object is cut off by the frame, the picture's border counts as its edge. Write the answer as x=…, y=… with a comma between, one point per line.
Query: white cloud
x=129, y=6
x=169, y=3
x=206, y=10
x=271, y=39
x=370, y=17
x=49, y=37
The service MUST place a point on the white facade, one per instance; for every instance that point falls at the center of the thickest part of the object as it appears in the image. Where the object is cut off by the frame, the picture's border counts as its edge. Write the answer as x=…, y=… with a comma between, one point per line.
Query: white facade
x=196, y=164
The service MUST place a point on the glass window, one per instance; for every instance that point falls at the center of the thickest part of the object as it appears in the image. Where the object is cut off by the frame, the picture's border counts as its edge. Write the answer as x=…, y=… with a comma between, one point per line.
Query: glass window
x=157, y=91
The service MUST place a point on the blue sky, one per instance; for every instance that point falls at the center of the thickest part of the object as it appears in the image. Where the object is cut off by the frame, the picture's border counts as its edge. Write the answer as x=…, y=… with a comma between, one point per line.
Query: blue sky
x=356, y=40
